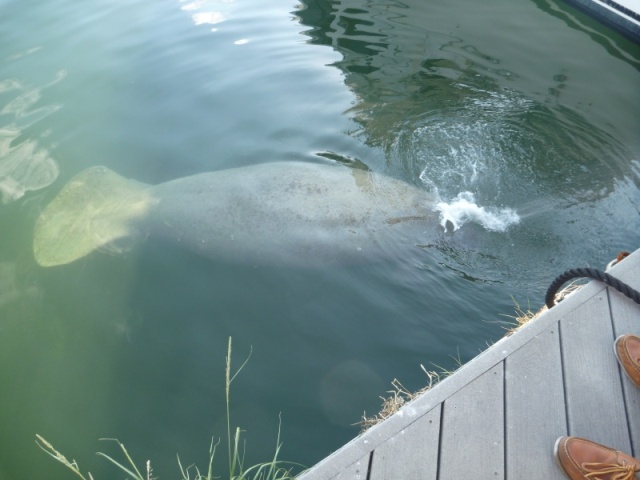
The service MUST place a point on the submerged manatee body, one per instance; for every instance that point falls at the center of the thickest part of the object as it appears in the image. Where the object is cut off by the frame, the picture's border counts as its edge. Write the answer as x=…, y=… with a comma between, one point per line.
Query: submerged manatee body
x=286, y=213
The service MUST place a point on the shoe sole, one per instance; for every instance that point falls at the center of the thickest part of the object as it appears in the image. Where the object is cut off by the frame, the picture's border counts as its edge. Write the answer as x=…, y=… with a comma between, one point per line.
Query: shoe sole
x=556, y=447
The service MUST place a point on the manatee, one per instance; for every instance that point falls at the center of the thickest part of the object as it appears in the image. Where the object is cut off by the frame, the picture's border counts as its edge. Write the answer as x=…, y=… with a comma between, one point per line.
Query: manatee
x=281, y=213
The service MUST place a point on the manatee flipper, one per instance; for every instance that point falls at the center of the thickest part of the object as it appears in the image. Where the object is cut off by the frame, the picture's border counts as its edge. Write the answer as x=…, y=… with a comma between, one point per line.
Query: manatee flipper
x=96, y=208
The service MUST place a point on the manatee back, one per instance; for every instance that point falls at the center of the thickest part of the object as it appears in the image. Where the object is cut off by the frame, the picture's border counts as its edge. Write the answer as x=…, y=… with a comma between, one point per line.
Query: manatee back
x=287, y=213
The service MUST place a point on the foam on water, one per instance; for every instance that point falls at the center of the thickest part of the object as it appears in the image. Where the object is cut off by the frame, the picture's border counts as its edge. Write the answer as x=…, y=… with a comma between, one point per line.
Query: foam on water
x=463, y=209
x=466, y=157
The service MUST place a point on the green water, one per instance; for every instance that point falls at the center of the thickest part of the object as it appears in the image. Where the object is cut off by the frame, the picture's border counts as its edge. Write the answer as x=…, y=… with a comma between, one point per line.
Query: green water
x=528, y=104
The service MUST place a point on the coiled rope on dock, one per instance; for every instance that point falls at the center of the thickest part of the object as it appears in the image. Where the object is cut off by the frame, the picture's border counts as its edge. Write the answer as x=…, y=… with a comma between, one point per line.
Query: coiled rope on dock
x=595, y=274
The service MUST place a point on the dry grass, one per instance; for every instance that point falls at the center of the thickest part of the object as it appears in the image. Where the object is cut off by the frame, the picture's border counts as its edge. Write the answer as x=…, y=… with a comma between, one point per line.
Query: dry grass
x=522, y=316
x=398, y=397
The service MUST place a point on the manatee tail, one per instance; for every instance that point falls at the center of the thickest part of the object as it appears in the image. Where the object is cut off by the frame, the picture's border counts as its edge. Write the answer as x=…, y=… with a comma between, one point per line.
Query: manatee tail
x=96, y=208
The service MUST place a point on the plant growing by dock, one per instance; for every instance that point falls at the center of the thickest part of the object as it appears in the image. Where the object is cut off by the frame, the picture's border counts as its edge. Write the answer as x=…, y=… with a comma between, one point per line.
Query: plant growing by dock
x=274, y=469
x=523, y=316
x=399, y=396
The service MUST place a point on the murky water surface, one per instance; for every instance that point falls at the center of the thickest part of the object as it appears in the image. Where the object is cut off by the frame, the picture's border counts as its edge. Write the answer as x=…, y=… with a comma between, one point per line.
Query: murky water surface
x=521, y=120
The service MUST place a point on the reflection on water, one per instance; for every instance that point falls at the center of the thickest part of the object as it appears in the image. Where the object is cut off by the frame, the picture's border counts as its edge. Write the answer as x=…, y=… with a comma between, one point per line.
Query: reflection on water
x=615, y=45
x=537, y=113
x=465, y=122
x=24, y=165
x=461, y=116
x=206, y=12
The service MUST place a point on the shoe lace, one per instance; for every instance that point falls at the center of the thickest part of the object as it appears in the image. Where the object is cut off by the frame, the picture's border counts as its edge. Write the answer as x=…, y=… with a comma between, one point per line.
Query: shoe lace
x=617, y=471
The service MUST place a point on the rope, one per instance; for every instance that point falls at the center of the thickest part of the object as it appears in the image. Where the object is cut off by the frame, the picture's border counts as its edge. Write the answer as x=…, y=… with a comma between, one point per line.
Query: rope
x=622, y=287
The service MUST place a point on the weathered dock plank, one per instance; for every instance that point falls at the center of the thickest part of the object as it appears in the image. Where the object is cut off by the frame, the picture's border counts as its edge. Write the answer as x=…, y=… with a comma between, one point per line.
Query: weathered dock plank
x=626, y=319
x=499, y=415
x=472, y=444
x=413, y=453
x=356, y=471
x=595, y=408
x=532, y=426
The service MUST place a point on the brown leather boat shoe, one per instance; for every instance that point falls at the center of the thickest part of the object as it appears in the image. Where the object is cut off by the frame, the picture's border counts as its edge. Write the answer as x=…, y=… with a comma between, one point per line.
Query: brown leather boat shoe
x=627, y=349
x=583, y=459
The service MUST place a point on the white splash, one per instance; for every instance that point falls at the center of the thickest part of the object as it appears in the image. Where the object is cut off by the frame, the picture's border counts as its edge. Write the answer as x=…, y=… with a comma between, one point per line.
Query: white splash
x=463, y=209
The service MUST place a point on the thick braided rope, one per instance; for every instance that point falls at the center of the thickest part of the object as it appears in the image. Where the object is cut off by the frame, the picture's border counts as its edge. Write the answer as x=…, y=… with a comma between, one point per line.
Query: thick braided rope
x=613, y=282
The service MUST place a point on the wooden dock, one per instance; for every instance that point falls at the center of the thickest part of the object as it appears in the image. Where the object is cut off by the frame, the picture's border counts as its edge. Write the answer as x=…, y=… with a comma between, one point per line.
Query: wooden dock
x=499, y=415
x=621, y=15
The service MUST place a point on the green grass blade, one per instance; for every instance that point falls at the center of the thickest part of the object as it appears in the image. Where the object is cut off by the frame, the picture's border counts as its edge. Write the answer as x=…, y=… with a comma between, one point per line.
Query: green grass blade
x=121, y=467
x=212, y=453
x=185, y=474
x=272, y=470
x=126, y=454
x=49, y=450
